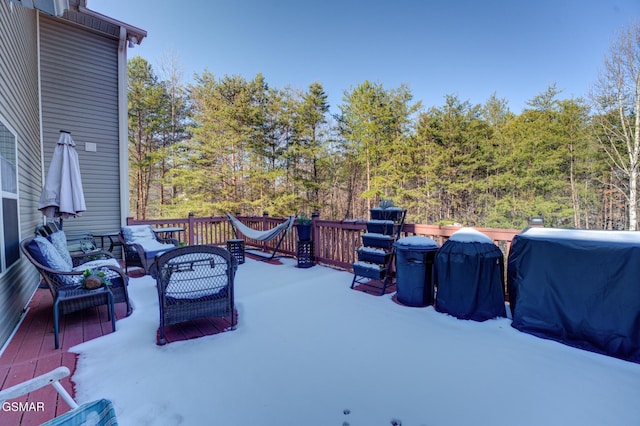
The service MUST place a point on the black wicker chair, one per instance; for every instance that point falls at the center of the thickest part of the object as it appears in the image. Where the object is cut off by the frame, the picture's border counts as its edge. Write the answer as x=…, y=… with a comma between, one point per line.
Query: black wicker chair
x=66, y=288
x=195, y=282
x=142, y=251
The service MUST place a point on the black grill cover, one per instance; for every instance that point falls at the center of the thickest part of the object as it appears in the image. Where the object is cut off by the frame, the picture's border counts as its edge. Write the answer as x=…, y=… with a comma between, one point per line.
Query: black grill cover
x=578, y=287
x=469, y=274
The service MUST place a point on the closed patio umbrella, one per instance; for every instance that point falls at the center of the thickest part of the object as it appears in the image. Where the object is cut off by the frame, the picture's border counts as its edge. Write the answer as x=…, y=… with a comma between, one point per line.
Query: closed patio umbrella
x=62, y=195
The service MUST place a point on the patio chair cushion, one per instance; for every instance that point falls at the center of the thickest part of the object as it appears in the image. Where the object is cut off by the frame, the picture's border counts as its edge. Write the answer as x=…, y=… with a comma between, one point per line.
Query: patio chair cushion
x=138, y=233
x=157, y=248
x=45, y=253
x=97, y=265
x=196, y=289
x=59, y=241
x=93, y=264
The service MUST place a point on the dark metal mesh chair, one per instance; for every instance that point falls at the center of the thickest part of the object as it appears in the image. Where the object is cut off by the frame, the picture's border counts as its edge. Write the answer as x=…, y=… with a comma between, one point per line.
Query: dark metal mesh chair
x=195, y=282
x=68, y=294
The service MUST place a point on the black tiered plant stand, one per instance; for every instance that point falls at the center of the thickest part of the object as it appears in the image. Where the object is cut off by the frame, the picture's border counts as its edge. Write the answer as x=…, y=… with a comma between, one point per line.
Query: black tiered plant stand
x=305, y=254
x=236, y=248
x=375, y=257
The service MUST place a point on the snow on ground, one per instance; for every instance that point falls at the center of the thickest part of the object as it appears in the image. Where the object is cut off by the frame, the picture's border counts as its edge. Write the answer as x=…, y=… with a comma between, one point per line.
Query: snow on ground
x=308, y=350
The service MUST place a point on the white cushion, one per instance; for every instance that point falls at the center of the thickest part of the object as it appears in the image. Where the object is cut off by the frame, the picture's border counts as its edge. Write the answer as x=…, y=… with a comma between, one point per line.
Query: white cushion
x=97, y=263
x=136, y=233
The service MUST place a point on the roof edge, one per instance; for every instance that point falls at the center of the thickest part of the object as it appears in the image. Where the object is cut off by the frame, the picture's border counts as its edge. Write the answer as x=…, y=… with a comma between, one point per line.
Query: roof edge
x=135, y=35
x=79, y=14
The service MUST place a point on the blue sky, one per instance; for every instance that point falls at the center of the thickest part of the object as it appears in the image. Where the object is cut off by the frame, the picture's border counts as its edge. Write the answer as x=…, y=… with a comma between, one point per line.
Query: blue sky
x=471, y=48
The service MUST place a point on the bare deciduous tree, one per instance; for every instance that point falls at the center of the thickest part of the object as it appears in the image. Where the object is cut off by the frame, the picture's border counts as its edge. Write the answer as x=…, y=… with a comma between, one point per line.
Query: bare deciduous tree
x=616, y=97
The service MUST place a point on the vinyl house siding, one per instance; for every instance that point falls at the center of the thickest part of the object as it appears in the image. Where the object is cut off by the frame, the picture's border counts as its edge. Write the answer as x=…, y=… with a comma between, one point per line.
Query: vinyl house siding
x=79, y=71
x=19, y=112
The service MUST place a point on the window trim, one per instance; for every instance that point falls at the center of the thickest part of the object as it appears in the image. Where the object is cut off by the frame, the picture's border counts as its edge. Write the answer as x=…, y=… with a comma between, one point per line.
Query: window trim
x=9, y=195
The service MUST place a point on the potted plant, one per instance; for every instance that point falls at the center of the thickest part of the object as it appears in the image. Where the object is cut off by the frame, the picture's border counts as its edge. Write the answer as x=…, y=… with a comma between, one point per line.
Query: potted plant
x=303, y=225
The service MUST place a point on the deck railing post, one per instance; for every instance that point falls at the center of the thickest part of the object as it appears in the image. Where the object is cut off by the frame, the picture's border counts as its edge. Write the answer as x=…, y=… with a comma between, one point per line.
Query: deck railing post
x=129, y=220
x=191, y=234
x=265, y=226
x=314, y=224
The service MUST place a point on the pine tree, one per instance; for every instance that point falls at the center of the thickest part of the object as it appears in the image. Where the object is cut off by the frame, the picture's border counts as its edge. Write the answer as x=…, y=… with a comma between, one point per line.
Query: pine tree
x=147, y=102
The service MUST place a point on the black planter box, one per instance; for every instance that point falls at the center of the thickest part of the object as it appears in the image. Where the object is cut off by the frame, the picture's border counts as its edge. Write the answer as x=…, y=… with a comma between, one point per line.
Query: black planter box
x=385, y=227
x=363, y=269
x=377, y=240
x=391, y=213
x=377, y=256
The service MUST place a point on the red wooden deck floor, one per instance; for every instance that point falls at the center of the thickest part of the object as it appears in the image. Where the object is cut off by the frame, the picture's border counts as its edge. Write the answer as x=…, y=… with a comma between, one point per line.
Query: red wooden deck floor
x=31, y=353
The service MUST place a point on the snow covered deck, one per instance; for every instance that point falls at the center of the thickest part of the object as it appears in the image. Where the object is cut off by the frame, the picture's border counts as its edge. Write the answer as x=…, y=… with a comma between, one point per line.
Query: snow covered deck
x=309, y=350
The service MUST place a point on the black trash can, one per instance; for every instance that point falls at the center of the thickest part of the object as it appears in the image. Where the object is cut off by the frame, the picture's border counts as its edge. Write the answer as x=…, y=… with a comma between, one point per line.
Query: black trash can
x=414, y=265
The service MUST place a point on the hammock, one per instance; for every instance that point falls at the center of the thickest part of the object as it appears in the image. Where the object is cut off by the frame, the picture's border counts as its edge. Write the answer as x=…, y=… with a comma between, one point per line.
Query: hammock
x=267, y=235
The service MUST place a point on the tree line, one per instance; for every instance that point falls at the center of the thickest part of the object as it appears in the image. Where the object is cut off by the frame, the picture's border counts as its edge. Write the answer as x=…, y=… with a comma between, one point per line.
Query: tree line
x=232, y=144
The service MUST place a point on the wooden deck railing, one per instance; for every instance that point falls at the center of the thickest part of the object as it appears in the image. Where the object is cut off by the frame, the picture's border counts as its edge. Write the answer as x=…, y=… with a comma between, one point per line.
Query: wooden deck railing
x=335, y=242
